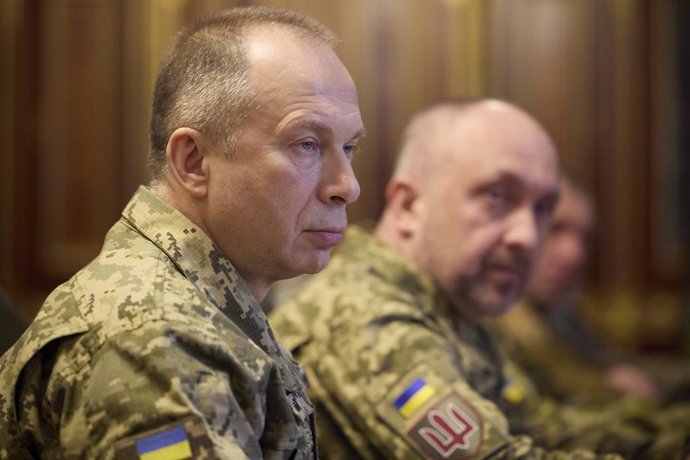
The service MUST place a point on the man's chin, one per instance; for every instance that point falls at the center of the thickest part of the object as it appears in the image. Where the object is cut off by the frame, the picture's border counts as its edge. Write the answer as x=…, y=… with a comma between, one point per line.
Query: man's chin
x=501, y=309
x=499, y=304
x=315, y=264
x=475, y=309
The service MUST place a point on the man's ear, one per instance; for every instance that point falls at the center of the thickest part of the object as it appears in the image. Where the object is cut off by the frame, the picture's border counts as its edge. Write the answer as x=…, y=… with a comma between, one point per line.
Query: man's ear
x=404, y=204
x=187, y=157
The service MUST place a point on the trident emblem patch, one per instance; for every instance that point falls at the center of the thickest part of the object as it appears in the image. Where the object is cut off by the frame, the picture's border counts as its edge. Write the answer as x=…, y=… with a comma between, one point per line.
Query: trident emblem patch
x=451, y=429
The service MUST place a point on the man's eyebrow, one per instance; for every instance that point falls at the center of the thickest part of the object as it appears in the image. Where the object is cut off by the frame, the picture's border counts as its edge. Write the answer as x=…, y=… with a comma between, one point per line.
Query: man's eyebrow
x=361, y=133
x=510, y=179
x=500, y=177
x=322, y=128
x=513, y=180
x=314, y=125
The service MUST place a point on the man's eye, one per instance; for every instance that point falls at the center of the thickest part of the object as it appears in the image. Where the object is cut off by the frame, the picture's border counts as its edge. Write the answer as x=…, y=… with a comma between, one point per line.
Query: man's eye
x=498, y=200
x=308, y=146
x=350, y=149
x=546, y=208
x=498, y=195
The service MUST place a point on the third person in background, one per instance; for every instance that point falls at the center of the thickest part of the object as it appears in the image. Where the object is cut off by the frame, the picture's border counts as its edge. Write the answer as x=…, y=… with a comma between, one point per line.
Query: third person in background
x=547, y=326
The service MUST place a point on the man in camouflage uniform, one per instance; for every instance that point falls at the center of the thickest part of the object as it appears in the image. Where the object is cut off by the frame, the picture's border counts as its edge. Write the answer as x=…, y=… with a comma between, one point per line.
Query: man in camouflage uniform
x=543, y=328
x=399, y=363
x=158, y=348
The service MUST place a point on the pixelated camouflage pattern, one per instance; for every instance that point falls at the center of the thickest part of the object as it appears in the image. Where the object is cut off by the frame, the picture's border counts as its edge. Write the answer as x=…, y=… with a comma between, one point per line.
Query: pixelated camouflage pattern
x=159, y=327
x=368, y=325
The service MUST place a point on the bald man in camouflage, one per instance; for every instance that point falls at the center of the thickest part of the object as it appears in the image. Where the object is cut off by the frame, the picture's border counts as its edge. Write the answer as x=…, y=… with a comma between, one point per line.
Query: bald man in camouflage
x=158, y=348
x=391, y=332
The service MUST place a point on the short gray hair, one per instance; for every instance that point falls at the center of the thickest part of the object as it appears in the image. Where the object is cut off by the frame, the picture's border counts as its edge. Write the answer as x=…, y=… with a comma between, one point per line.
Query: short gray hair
x=202, y=82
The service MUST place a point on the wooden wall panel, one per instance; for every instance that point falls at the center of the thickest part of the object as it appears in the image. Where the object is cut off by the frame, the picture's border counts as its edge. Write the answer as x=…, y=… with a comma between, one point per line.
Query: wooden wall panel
x=433, y=50
x=9, y=18
x=542, y=57
x=79, y=116
x=669, y=251
x=137, y=74
x=624, y=145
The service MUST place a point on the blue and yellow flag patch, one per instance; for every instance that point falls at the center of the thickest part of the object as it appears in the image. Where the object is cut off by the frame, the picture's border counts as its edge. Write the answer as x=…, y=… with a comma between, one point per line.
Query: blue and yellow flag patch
x=414, y=397
x=513, y=392
x=168, y=445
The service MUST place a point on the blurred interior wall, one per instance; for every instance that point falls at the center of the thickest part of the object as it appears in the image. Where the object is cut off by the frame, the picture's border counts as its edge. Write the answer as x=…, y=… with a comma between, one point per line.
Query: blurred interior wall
x=604, y=76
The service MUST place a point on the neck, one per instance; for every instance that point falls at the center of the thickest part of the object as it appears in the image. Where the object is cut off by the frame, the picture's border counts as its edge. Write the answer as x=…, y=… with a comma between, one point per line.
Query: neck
x=257, y=286
x=258, y=289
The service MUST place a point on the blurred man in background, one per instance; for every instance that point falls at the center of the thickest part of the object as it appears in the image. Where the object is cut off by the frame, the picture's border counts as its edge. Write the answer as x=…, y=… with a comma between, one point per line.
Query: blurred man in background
x=392, y=332
x=547, y=328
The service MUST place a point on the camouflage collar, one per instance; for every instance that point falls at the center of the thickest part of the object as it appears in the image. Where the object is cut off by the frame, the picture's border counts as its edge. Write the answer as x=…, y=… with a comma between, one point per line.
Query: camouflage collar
x=389, y=265
x=392, y=267
x=195, y=255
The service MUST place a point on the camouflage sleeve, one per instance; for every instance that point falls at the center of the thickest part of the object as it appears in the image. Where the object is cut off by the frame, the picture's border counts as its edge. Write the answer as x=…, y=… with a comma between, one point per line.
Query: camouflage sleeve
x=674, y=432
x=630, y=426
x=207, y=393
x=555, y=367
x=395, y=384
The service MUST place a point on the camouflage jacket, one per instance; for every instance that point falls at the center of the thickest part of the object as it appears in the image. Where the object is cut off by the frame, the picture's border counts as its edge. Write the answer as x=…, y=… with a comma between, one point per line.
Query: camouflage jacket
x=530, y=340
x=157, y=346
x=536, y=339
x=394, y=373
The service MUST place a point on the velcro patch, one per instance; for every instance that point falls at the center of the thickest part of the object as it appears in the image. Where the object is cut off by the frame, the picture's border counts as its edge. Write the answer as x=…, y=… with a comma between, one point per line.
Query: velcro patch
x=414, y=397
x=182, y=439
x=449, y=429
x=513, y=392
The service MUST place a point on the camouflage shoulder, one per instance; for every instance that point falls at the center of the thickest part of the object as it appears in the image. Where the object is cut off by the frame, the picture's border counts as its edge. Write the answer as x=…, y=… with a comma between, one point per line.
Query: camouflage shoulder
x=444, y=420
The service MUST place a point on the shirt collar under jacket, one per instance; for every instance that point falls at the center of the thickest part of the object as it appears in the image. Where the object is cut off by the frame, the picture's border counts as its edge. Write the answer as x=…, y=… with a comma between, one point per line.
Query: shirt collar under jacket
x=193, y=252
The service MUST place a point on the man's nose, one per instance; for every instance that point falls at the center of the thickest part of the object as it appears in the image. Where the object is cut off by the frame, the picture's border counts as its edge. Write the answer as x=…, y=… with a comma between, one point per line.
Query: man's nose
x=523, y=230
x=340, y=186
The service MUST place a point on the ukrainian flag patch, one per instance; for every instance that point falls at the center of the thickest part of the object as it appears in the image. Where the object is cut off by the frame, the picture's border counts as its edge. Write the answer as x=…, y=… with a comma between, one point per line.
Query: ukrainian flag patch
x=513, y=392
x=414, y=397
x=168, y=445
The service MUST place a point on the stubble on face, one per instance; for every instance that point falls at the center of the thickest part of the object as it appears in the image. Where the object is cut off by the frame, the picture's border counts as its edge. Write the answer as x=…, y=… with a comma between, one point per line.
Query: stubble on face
x=505, y=171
